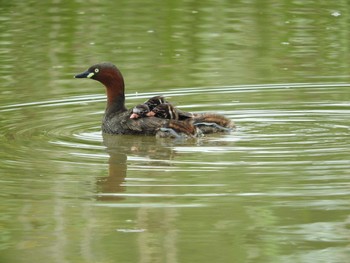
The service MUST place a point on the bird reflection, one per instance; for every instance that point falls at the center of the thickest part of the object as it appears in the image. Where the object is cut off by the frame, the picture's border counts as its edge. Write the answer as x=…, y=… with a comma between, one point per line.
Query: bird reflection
x=119, y=147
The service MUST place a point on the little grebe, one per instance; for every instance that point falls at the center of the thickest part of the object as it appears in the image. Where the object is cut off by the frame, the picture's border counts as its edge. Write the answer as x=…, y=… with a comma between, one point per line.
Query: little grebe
x=142, y=110
x=117, y=119
x=164, y=111
x=155, y=101
x=168, y=111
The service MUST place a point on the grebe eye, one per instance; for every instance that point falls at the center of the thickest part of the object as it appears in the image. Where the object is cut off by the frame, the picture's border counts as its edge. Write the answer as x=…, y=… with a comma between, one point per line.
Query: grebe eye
x=96, y=70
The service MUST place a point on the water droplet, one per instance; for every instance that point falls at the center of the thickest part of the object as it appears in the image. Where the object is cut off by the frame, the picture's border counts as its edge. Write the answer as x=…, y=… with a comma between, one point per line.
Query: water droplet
x=336, y=13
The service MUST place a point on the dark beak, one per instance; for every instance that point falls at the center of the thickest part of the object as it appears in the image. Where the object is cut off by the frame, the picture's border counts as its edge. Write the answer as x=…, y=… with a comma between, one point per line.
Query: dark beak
x=85, y=74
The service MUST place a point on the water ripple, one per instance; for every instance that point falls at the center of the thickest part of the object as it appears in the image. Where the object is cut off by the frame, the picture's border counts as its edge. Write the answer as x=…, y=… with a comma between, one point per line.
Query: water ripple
x=285, y=126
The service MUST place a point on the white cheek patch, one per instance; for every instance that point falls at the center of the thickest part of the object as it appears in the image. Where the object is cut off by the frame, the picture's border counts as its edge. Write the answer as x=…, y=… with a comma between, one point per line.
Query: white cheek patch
x=90, y=75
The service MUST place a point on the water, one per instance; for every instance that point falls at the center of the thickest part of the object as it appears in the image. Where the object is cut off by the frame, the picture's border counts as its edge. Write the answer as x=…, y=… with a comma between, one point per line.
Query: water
x=274, y=190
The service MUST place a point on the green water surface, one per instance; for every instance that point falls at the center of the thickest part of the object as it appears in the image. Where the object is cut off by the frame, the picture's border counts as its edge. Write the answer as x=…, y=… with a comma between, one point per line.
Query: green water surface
x=274, y=190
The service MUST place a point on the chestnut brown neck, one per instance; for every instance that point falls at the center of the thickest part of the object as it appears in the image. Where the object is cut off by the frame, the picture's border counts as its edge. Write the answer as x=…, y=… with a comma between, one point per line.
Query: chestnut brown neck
x=114, y=84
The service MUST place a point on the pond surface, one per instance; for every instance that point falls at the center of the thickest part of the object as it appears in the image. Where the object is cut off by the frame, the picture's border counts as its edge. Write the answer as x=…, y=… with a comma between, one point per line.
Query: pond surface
x=274, y=190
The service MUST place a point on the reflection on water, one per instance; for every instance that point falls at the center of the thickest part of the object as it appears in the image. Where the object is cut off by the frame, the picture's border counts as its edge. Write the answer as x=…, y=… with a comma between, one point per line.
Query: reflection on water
x=279, y=183
x=274, y=190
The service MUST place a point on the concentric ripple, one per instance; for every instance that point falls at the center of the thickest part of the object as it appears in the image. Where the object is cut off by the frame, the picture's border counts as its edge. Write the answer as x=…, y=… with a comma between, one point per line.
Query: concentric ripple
x=75, y=122
x=284, y=168
x=280, y=129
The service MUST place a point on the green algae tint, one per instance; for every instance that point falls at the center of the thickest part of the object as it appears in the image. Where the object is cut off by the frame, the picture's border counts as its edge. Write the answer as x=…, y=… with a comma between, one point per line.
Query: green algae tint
x=274, y=190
